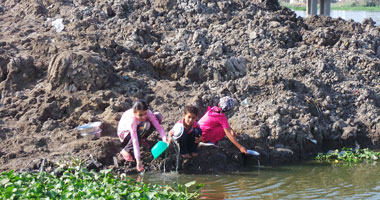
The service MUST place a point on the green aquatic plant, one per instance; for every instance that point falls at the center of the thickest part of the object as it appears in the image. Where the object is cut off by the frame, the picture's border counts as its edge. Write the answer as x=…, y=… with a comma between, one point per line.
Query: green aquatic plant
x=348, y=155
x=70, y=161
x=77, y=183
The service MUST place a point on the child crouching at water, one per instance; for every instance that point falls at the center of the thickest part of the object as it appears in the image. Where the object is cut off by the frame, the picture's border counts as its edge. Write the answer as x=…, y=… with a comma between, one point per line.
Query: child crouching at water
x=136, y=125
x=215, y=126
x=187, y=132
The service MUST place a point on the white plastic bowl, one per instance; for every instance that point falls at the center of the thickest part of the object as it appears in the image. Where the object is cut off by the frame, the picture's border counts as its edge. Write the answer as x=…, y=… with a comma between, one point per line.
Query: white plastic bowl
x=252, y=152
x=97, y=133
x=90, y=129
x=178, y=130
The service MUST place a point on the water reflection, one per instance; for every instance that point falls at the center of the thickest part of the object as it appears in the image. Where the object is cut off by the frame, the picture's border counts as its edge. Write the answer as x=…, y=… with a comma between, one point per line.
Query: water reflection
x=306, y=181
x=357, y=16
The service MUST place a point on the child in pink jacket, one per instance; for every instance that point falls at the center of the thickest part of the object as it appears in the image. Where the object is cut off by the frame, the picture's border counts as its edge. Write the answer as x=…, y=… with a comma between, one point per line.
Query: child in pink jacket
x=215, y=126
x=135, y=125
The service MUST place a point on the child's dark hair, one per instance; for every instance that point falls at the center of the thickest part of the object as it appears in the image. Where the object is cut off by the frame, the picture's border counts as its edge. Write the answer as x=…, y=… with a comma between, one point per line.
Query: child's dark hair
x=191, y=109
x=140, y=105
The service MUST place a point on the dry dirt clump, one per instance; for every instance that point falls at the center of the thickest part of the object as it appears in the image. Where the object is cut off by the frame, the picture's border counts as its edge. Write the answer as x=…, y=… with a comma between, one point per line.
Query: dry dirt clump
x=79, y=71
x=301, y=85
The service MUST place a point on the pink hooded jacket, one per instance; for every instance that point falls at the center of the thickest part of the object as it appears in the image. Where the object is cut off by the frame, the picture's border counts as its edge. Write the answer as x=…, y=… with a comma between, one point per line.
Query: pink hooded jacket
x=213, y=124
x=128, y=125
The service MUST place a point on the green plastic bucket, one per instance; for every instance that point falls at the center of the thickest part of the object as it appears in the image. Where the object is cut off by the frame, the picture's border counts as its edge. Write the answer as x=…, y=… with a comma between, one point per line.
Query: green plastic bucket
x=158, y=149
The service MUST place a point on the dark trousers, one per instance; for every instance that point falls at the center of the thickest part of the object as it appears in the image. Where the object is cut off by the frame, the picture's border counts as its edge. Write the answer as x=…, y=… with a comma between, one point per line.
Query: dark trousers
x=127, y=143
x=187, y=143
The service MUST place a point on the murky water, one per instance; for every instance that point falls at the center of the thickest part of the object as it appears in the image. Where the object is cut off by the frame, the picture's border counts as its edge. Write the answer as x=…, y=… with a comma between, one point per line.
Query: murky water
x=357, y=16
x=310, y=180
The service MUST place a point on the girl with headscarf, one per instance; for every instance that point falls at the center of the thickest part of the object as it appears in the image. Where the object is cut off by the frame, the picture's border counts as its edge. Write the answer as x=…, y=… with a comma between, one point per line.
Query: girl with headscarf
x=215, y=126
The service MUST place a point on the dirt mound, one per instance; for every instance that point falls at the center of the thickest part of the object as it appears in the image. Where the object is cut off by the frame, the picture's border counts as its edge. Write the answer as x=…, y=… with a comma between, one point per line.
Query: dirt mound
x=19, y=72
x=301, y=85
x=79, y=71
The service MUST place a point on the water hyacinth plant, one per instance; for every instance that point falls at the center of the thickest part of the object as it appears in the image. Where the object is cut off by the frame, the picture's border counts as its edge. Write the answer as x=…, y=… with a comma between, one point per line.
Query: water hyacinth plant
x=349, y=155
x=83, y=184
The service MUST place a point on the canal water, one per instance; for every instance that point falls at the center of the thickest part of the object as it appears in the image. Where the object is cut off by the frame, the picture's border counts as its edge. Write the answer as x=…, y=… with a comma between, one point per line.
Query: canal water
x=310, y=180
x=357, y=16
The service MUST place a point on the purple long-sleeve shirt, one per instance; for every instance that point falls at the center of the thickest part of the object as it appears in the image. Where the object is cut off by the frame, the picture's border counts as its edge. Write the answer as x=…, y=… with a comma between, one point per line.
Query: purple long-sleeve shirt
x=128, y=125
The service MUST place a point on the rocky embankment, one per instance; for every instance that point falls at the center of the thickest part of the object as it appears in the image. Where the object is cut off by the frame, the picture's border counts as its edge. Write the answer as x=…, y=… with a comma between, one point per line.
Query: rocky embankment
x=301, y=85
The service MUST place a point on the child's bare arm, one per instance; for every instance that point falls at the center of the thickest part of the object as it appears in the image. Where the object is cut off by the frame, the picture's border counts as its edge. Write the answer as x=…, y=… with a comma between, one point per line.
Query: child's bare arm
x=234, y=141
x=233, y=133
x=170, y=134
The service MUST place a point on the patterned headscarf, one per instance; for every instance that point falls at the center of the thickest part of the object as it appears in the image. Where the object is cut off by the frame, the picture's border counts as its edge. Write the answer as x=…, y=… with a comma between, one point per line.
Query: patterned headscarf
x=226, y=103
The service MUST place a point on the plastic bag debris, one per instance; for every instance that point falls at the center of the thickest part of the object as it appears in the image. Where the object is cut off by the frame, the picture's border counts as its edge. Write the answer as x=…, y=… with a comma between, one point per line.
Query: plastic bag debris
x=58, y=25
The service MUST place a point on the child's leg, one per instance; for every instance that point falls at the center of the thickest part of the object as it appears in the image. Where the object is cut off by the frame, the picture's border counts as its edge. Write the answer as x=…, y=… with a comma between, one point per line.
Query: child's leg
x=183, y=145
x=127, y=146
x=148, y=131
x=193, y=147
x=143, y=129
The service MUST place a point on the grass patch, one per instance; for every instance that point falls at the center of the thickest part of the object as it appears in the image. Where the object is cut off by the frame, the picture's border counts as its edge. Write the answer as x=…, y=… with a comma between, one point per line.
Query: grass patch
x=348, y=155
x=354, y=8
x=76, y=183
x=296, y=7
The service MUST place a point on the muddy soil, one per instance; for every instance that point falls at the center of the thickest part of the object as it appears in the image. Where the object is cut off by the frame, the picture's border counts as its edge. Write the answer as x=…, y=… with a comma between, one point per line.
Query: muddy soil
x=302, y=86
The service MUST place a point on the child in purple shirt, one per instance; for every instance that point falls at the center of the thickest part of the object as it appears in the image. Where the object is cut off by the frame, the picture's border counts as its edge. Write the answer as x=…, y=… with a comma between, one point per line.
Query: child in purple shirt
x=136, y=125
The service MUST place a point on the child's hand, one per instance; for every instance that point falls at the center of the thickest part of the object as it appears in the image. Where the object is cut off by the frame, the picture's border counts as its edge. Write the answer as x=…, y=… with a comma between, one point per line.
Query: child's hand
x=170, y=138
x=167, y=140
x=171, y=133
x=198, y=139
x=139, y=166
x=243, y=150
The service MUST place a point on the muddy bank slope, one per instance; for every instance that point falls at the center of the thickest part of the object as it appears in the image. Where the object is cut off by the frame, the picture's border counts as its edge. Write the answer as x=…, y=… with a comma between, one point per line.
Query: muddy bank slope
x=302, y=85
